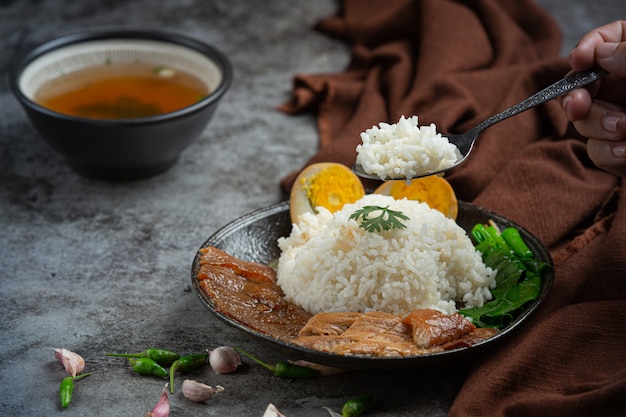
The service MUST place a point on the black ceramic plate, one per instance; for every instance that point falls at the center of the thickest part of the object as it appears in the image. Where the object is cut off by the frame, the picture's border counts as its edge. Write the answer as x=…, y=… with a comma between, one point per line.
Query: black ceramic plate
x=253, y=237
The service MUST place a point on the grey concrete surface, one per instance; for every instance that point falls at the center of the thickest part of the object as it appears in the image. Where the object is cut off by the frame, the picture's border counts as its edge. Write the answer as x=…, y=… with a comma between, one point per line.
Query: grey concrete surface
x=95, y=266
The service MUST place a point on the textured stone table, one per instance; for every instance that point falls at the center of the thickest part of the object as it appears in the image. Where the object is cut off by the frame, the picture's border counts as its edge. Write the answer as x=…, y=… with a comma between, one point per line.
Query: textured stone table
x=95, y=266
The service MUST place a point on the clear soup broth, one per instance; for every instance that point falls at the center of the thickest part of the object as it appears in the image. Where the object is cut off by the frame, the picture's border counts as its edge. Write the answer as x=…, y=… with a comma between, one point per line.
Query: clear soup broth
x=138, y=91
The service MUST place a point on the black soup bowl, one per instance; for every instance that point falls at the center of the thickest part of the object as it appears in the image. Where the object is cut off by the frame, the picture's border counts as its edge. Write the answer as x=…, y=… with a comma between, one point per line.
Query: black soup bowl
x=121, y=148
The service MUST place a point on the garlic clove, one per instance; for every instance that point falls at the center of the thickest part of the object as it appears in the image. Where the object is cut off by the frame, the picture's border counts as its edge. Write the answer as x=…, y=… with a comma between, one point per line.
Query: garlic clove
x=72, y=362
x=198, y=392
x=272, y=411
x=224, y=359
x=162, y=408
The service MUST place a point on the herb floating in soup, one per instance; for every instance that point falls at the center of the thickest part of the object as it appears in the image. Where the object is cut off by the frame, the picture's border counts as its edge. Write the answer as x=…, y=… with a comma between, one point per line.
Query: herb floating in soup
x=108, y=93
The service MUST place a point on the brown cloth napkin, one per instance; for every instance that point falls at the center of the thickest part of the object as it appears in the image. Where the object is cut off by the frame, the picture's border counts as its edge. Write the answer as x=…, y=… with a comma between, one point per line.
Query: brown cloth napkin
x=455, y=63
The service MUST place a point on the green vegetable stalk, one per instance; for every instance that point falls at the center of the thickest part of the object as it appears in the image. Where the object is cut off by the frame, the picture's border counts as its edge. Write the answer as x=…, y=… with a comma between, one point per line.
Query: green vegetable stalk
x=513, y=238
x=161, y=356
x=489, y=235
x=66, y=388
x=187, y=363
x=284, y=369
x=147, y=366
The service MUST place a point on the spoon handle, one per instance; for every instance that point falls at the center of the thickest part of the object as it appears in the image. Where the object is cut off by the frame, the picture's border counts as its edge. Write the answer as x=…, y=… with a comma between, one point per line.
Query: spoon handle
x=565, y=85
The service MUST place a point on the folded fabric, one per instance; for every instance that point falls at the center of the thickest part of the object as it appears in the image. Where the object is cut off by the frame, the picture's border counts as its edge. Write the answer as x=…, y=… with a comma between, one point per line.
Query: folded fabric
x=455, y=63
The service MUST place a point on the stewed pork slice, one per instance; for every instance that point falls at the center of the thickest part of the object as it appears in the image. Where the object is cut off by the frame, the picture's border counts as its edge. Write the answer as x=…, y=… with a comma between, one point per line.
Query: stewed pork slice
x=433, y=328
x=252, y=271
x=247, y=293
x=329, y=324
x=351, y=333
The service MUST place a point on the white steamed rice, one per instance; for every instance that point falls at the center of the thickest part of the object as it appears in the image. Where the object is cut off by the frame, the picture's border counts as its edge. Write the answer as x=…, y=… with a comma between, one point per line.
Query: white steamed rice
x=404, y=150
x=329, y=263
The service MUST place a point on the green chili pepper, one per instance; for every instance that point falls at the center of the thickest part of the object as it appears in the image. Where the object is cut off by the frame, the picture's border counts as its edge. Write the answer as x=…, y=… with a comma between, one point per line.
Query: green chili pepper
x=67, y=388
x=147, y=366
x=357, y=406
x=515, y=241
x=284, y=369
x=187, y=363
x=161, y=356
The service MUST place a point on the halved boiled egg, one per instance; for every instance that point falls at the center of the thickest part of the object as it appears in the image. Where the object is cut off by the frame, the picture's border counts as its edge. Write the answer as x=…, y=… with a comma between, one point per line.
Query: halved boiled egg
x=432, y=190
x=325, y=184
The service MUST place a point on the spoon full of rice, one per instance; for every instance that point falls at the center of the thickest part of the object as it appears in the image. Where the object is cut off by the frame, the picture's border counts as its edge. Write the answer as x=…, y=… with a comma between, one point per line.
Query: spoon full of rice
x=405, y=150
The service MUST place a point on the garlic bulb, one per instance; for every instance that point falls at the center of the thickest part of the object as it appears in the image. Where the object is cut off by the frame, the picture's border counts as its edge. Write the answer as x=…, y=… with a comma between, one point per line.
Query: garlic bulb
x=224, y=359
x=199, y=392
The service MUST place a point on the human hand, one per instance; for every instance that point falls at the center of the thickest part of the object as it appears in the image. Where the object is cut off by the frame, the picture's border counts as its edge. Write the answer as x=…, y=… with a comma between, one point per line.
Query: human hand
x=598, y=111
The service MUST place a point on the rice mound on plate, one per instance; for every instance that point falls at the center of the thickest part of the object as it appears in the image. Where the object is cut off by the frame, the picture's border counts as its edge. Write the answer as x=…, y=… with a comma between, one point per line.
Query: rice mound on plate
x=329, y=263
x=404, y=150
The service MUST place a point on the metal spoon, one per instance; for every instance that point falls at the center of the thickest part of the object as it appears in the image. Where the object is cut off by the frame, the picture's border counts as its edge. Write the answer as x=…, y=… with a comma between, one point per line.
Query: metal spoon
x=465, y=141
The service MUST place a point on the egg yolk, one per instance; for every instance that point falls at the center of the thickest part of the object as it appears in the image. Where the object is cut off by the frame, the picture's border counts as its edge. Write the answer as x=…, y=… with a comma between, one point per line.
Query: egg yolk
x=331, y=188
x=433, y=190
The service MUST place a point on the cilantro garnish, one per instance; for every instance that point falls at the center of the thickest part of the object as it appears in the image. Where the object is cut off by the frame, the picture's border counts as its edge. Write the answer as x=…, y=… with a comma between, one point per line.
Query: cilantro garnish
x=382, y=218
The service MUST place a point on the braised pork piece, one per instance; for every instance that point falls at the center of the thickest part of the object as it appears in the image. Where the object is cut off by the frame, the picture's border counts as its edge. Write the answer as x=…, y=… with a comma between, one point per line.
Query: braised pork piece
x=247, y=292
x=389, y=335
x=374, y=334
x=433, y=328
